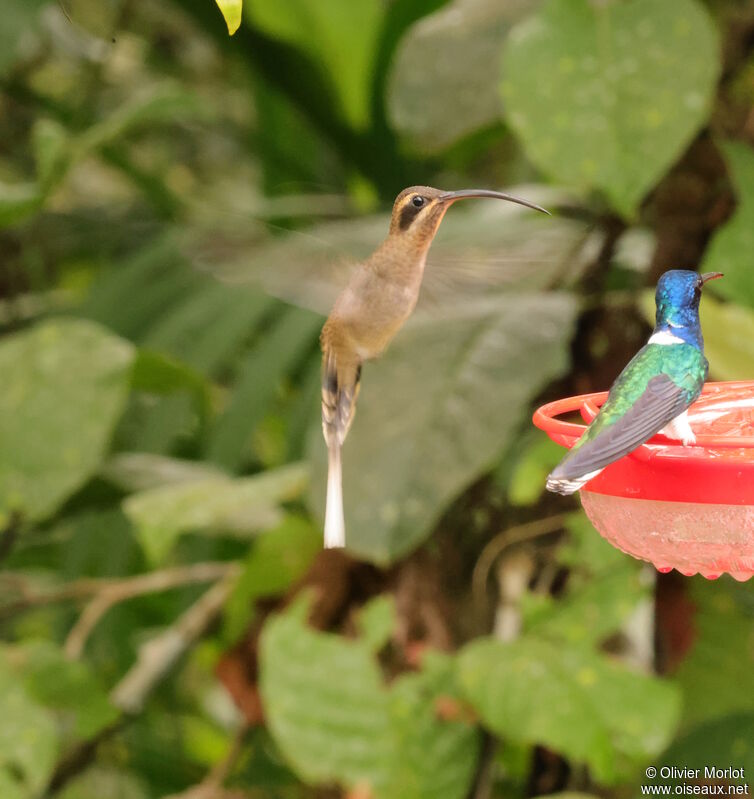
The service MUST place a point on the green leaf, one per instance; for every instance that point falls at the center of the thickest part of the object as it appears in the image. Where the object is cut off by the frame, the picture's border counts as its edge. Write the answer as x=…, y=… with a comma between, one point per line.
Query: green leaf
x=51, y=151
x=732, y=245
x=243, y=506
x=157, y=374
x=10, y=788
x=720, y=743
x=575, y=701
x=325, y=702
x=56, y=152
x=95, y=542
x=440, y=87
x=97, y=17
x=277, y=559
x=608, y=94
x=339, y=34
x=156, y=105
x=206, y=741
x=206, y=329
x=717, y=675
x=158, y=425
x=20, y=17
x=728, y=339
x=65, y=384
x=437, y=411
x=18, y=200
x=28, y=738
x=62, y=685
x=377, y=620
x=590, y=612
x=432, y=758
x=139, y=471
x=335, y=720
x=231, y=11
x=603, y=589
x=99, y=781
x=118, y=299
x=285, y=342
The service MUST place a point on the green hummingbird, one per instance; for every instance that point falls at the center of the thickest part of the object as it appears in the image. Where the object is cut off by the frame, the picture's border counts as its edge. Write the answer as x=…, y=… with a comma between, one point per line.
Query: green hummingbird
x=654, y=390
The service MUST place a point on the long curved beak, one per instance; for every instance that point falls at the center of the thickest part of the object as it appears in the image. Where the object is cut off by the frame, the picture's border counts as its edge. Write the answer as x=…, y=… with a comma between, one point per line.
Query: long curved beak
x=466, y=194
x=710, y=276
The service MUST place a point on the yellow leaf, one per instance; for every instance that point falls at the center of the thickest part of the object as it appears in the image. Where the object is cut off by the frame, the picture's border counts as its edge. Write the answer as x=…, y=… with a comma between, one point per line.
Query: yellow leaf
x=231, y=10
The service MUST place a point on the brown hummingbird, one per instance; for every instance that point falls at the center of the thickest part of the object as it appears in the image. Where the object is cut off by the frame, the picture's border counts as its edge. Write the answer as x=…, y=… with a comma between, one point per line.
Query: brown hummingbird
x=380, y=296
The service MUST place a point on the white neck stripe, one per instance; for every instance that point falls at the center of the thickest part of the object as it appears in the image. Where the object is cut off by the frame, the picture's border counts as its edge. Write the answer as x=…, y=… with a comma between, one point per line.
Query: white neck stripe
x=665, y=337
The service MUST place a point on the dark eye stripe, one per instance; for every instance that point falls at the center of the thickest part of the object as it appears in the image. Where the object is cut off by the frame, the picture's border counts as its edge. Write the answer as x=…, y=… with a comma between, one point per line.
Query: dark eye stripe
x=408, y=214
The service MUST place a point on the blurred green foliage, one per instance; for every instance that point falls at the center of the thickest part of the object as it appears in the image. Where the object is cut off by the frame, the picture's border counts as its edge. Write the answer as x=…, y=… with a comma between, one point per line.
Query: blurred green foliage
x=624, y=86
x=178, y=209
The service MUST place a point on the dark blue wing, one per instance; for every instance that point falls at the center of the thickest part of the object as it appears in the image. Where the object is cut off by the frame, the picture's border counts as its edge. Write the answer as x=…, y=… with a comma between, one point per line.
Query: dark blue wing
x=660, y=403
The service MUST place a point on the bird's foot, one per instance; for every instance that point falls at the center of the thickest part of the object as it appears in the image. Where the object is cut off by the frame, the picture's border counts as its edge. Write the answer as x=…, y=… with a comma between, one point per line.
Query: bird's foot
x=680, y=430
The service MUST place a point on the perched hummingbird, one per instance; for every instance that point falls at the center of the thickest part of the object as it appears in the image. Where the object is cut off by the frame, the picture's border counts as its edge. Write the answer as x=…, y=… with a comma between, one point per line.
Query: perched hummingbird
x=379, y=298
x=654, y=390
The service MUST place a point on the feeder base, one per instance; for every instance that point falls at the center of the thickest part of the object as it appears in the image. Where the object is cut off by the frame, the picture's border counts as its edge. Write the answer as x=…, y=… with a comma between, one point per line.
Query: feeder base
x=690, y=537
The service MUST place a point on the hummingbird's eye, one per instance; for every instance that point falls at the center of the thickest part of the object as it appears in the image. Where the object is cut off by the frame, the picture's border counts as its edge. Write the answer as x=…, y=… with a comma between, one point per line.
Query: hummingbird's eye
x=418, y=200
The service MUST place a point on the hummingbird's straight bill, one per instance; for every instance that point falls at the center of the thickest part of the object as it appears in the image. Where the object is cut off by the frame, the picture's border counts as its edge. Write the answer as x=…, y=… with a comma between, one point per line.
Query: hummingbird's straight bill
x=654, y=390
x=379, y=298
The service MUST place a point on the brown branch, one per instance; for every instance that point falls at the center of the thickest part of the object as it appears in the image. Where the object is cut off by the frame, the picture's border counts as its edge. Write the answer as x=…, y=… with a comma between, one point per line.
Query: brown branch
x=154, y=660
x=108, y=593
x=79, y=590
x=495, y=548
x=72, y=763
x=157, y=656
x=73, y=591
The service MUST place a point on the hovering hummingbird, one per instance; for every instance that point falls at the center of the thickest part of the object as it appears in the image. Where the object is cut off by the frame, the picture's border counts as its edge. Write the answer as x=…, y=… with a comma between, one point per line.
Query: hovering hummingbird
x=380, y=296
x=654, y=390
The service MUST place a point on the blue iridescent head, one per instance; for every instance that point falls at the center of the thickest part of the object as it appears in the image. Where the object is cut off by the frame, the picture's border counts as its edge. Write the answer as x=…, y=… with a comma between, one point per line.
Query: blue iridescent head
x=677, y=298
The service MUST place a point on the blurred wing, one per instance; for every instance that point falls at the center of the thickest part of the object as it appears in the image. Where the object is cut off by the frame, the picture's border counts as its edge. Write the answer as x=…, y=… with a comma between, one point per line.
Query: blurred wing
x=485, y=248
x=308, y=268
x=660, y=403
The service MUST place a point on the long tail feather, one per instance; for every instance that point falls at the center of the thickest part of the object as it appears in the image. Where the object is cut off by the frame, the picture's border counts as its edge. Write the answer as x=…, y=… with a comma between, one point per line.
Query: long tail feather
x=340, y=388
x=335, y=526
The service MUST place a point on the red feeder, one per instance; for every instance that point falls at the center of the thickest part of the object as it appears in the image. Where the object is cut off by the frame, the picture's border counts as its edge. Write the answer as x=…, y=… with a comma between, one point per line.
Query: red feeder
x=686, y=508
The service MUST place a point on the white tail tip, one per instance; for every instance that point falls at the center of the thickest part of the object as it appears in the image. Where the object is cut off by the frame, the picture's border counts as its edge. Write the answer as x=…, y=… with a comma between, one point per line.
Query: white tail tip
x=564, y=485
x=335, y=525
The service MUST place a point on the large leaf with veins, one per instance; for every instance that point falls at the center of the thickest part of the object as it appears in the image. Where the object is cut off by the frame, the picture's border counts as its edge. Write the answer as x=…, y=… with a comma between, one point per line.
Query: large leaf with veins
x=440, y=87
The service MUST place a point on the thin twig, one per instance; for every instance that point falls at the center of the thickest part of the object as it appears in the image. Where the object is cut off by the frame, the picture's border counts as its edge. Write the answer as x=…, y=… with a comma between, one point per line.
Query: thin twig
x=157, y=656
x=82, y=589
x=73, y=762
x=202, y=791
x=513, y=535
x=153, y=662
x=108, y=593
x=485, y=773
x=73, y=591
